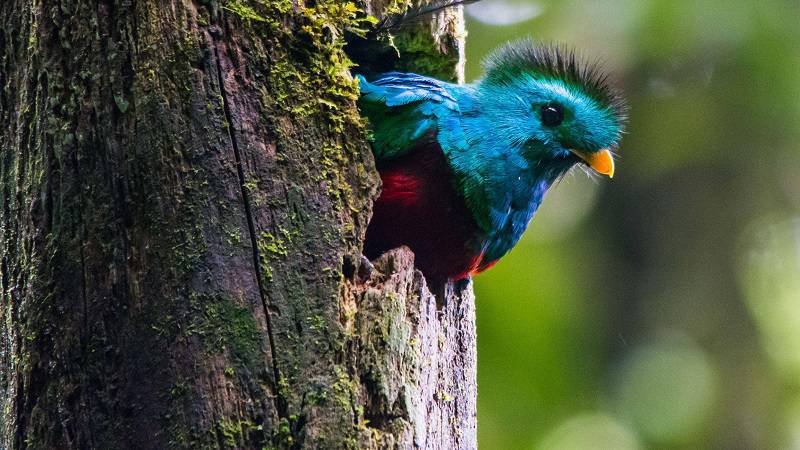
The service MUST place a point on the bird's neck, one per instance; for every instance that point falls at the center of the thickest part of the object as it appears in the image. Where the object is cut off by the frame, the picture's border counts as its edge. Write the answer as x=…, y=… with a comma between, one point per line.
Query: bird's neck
x=496, y=173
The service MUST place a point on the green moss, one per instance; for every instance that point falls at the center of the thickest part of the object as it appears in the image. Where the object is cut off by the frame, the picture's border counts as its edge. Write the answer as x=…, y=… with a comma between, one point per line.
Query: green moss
x=308, y=89
x=223, y=325
x=233, y=432
x=344, y=390
x=233, y=236
x=309, y=75
x=270, y=245
x=257, y=196
x=398, y=6
x=333, y=159
x=190, y=247
x=122, y=104
x=272, y=248
x=318, y=325
x=444, y=396
x=420, y=54
x=202, y=19
x=245, y=12
x=282, y=435
x=179, y=389
x=284, y=388
x=266, y=272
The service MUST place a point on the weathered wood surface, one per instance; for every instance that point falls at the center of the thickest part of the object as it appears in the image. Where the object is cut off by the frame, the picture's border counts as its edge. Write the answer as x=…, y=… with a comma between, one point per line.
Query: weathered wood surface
x=183, y=193
x=416, y=359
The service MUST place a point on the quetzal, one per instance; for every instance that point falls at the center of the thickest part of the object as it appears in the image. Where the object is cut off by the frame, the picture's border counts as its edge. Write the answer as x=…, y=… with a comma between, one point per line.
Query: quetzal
x=464, y=167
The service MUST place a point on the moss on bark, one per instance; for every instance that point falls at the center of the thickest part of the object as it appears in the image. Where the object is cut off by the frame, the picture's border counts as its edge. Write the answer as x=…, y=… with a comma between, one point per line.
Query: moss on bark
x=184, y=188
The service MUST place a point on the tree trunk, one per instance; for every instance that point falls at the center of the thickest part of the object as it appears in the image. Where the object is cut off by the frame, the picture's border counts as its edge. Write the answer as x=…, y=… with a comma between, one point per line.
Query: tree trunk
x=184, y=190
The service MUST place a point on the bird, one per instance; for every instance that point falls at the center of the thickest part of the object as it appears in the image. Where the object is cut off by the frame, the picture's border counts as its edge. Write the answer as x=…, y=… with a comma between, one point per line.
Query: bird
x=464, y=167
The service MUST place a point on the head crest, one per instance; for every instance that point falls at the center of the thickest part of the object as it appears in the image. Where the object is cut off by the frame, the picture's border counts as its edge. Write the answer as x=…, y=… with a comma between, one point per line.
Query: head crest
x=550, y=61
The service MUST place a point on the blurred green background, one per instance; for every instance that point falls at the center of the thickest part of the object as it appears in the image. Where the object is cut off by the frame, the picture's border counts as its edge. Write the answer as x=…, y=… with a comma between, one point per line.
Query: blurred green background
x=660, y=310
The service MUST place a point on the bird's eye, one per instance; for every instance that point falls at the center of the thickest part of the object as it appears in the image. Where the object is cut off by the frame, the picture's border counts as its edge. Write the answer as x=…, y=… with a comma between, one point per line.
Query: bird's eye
x=552, y=115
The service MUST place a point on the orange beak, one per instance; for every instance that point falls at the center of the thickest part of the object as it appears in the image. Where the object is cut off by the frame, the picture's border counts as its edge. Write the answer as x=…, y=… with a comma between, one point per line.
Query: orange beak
x=601, y=161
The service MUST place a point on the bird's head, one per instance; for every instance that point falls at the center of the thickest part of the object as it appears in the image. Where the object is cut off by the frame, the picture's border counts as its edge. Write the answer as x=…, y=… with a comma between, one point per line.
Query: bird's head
x=556, y=109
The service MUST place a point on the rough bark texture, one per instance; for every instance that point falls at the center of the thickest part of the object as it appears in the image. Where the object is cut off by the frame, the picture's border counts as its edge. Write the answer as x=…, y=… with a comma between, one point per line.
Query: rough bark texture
x=184, y=187
x=415, y=359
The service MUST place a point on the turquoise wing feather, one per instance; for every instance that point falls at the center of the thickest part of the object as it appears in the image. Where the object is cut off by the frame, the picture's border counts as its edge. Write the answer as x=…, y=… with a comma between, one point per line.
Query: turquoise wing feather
x=403, y=109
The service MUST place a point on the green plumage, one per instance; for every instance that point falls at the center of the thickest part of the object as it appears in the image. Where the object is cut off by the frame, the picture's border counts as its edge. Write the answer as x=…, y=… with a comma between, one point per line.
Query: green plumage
x=502, y=150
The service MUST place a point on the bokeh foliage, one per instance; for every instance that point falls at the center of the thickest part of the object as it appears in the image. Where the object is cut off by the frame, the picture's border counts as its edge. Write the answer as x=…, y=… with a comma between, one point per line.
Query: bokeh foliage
x=660, y=309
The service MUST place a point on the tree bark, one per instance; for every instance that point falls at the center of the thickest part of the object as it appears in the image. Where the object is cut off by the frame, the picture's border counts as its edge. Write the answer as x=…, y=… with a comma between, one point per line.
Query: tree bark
x=184, y=190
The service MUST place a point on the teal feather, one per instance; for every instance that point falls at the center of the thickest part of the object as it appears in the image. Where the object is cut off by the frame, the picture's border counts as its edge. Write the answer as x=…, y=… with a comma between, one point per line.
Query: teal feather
x=501, y=156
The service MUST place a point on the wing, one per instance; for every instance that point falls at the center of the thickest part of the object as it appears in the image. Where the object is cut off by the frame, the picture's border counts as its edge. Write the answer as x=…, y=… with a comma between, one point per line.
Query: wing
x=404, y=108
